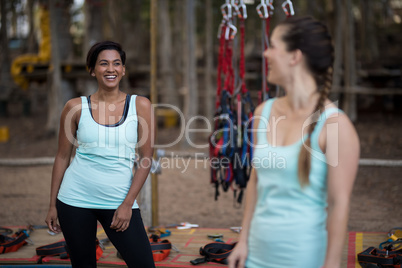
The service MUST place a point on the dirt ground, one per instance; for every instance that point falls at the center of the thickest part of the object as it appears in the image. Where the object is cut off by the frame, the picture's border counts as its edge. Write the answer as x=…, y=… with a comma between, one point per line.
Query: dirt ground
x=185, y=194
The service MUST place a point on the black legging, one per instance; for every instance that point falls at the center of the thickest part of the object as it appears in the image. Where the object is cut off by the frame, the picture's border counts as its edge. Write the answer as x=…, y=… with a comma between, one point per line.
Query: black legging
x=79, y=227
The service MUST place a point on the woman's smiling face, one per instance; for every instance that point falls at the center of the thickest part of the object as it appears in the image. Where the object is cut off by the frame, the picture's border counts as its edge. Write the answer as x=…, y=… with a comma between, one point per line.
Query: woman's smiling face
x=278, y=57
x=109, y=69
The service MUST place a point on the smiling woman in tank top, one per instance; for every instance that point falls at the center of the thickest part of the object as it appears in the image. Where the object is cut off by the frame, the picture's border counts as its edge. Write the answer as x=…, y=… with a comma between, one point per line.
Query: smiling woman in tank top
x=110, y=128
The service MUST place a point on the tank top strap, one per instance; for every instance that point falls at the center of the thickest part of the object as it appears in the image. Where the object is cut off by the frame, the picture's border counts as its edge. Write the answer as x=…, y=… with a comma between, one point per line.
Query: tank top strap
x=84, y=102
x=85, y=109
x=133, y=108
x=331, y=112
x=263, y=121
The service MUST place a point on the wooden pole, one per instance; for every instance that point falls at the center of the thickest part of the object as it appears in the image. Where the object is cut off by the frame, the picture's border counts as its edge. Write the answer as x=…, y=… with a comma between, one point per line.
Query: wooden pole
x=154, y=99
x=54, y=94
x=209, y=65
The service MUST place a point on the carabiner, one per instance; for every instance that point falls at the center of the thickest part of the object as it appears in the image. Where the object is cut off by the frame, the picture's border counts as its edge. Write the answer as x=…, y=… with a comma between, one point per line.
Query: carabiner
x=291, y=11
x=229, y=6
x=270, y=7
x=242, y=10
x=235, y=7
x=228, y=35
x=264, y=14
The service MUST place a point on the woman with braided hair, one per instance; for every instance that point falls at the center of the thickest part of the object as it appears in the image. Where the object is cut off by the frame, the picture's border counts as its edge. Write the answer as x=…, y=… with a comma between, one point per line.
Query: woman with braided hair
x=305, y=160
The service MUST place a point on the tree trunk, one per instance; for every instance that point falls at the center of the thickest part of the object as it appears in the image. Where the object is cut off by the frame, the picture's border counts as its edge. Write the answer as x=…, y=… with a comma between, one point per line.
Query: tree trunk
x=338, y=39
x=191, y=94
x=178, y=45
x=31, y=42
x=5, y=76
x=209, y=63
x=54, y=94
x=93, y=23
x=368, y=41
x=168, y=91
x=349, y=105
x=60, y=91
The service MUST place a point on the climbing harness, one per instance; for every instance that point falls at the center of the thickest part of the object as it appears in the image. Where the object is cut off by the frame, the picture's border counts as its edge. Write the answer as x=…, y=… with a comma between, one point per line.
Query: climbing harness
x=380, y=258
x=214, y=252
x=11, y=243
x=388, y=253
x=160, y=248
x=229, y=144
x=60, y=249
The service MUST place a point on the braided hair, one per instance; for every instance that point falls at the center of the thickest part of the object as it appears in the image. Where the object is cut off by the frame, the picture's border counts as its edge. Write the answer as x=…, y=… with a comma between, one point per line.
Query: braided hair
x=312, y=38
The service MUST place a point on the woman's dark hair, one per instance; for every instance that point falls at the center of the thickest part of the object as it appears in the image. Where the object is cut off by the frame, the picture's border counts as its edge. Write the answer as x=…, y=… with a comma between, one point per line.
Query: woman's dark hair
x=312, y=38
x=97, y=48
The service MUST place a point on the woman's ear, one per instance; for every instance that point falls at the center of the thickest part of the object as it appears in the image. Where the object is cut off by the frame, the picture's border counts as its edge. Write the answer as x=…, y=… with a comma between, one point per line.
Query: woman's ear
x=297, y=57
x=93, y=74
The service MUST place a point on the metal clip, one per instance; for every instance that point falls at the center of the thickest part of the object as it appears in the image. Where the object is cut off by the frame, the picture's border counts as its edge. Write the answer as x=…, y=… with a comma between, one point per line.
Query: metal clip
x=242, y=10
x=264, y=14
x=291, y=11
x=227, y=5
x=235, y=7
x=270, y=5
x=231, y=31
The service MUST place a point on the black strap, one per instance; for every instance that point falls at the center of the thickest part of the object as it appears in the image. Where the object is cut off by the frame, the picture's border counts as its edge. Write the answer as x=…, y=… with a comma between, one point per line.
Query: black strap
x=54, y=249
x=8, y=242
x=216, y=252
x=159, y=246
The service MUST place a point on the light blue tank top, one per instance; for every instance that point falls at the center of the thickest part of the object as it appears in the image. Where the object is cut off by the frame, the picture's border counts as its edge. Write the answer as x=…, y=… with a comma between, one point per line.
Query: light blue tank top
x=288, y=228
x=101, y=172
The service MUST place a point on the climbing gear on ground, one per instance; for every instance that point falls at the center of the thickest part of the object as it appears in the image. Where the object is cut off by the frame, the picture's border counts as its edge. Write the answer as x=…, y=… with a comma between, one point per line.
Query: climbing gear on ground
x=160, y=248
x=380, y=257
x=14, y=242
x=60, y=249
x=214, y=252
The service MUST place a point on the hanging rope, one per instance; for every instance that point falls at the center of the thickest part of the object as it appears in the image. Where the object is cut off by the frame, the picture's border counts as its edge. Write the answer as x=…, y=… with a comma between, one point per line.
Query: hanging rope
x=230, y=142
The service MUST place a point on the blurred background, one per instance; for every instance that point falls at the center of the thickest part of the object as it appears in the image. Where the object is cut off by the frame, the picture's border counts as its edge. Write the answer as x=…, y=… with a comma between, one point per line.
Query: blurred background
x=40, y=38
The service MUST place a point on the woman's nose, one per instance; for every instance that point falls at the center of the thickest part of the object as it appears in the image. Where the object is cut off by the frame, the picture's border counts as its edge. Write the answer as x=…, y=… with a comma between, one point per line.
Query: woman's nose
x=265, y=53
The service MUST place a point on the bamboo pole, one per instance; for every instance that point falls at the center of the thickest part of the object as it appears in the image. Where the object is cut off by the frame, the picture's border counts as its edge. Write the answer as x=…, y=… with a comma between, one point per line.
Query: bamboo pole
x=154, y=99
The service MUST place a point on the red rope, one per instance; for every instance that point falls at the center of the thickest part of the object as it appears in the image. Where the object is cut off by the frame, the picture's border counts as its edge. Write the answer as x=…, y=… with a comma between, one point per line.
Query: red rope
x=267, y=27
x=229, y=81
x=220, y=66
x=242, y=67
